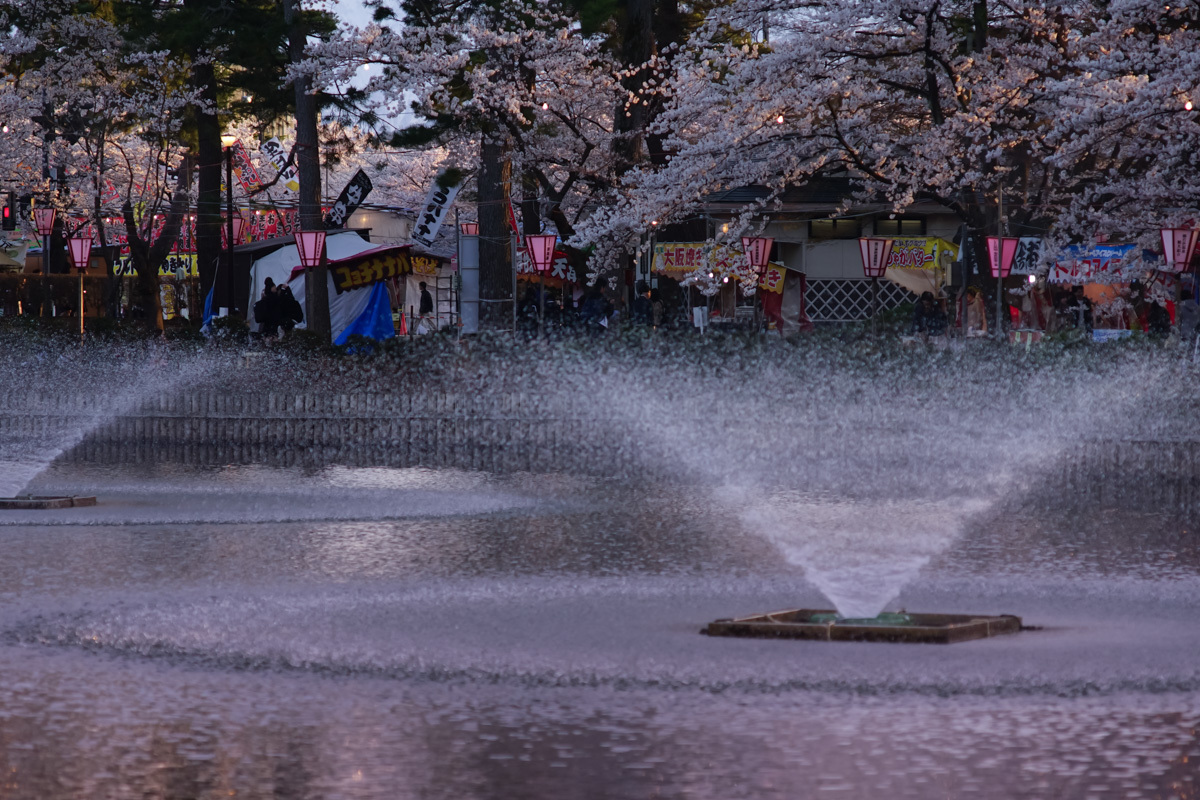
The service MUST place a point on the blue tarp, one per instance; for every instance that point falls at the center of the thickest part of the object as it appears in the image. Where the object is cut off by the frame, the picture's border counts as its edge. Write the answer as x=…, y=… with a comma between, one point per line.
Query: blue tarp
x=375, y=321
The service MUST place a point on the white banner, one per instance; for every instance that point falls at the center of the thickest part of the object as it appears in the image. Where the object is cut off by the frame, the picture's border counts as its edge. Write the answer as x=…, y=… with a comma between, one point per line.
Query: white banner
x=288, y=176
x=437, y=203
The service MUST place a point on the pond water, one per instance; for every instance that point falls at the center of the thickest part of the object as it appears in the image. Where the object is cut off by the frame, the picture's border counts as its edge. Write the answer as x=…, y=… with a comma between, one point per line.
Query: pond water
x=375, y=632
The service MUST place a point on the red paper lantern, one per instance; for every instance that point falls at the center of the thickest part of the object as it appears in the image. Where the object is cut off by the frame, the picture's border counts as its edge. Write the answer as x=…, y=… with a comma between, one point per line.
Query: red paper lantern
x=469, y=228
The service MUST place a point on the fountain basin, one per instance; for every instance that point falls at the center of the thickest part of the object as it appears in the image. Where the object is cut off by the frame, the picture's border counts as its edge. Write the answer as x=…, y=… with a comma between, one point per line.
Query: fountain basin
x=46, y=501
x=908, y=628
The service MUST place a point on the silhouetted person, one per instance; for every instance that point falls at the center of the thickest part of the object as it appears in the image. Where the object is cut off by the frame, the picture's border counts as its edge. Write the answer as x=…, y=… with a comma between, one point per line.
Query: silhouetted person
x=266, y=310
x=290, y=312
x=426, y=307
x=928, y=317
x=641, y=310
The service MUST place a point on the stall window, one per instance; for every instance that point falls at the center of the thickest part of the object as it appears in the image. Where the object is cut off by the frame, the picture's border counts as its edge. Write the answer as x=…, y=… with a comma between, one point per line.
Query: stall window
x=903, y=226
x=834, y=229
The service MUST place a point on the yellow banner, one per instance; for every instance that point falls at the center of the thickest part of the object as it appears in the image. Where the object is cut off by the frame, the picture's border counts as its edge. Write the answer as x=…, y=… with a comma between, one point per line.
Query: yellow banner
x=176, y=265
x=922, y=252
x=772, y=280
x=690, y=256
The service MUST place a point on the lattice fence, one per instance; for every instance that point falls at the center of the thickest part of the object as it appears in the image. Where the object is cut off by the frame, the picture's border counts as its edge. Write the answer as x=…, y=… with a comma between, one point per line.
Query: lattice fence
x=849, y=301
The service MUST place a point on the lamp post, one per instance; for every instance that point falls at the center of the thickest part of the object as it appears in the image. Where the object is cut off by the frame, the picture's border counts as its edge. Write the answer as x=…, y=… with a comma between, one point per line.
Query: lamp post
x=875, y=255
x=541, y=253
x=81, y=253
x=43, y=220
x=227, y=143
x=311, y=247
x=1179, y=244
x=1001, y=252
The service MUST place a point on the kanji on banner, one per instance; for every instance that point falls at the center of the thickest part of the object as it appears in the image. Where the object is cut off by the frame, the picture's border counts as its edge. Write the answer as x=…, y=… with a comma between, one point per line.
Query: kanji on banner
x=243, y=169
x=689, y=256
x=288, y=175
x=772, y=279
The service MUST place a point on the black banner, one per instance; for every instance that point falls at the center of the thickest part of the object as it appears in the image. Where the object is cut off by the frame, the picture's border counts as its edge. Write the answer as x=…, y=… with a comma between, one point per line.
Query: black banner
x=348, y=201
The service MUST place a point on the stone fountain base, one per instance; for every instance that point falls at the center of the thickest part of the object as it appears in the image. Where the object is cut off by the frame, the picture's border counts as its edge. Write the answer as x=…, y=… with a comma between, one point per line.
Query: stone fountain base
x=45, y=501
x=825, y=625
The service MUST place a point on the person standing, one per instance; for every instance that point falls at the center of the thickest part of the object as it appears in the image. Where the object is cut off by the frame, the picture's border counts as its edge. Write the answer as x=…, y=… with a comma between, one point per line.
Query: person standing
x=266, y=310
x=290, y=312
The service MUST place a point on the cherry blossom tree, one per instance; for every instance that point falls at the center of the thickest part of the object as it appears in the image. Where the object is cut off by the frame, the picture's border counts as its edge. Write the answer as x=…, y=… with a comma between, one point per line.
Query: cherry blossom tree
x=1072, y=114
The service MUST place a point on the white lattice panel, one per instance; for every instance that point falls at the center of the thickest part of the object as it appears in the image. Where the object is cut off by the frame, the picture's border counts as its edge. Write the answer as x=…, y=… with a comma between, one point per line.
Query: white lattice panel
x=850, y=301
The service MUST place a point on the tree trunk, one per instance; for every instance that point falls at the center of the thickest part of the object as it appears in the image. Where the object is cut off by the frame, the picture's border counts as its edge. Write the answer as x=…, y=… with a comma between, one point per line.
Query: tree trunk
x=495, y=252
x=308, y=163
x=637, y=46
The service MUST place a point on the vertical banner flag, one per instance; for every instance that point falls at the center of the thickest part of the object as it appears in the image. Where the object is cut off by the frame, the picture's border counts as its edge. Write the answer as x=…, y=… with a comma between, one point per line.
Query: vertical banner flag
x=243, y=169
x=349, y=200
x=288, y=176
x=437, y=203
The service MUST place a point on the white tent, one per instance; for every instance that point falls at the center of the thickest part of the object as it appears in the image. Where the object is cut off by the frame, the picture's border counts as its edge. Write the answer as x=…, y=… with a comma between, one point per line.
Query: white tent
x=279, y=265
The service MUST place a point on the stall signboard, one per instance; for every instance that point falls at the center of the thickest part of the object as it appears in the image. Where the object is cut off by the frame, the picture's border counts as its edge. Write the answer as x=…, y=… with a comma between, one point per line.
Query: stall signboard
x=677, y=257
x=560, y=267
x=772, y=279
x=373, y=267
x=1102, y=263
x=921, y=252
x=176, y=265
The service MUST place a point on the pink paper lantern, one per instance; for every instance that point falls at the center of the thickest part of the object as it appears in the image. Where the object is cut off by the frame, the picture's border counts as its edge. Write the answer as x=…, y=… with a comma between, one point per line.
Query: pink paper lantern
x=310, y=244
x=875, y=255
x=758, y=252
x=1178, y=246
x=1001, y=252
x=81, y=251
x=541, y=250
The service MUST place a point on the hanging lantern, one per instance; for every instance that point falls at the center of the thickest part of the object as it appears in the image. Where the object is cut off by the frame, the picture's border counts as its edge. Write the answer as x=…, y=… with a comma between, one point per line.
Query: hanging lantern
x=469, y=228
x=1001, y=252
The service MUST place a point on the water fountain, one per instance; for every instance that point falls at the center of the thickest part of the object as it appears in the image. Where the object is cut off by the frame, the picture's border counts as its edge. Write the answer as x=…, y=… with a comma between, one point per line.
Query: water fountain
x=394, y=620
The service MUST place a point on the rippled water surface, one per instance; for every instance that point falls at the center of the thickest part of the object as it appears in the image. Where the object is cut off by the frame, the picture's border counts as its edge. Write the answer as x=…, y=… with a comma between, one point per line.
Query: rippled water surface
x=254, y=632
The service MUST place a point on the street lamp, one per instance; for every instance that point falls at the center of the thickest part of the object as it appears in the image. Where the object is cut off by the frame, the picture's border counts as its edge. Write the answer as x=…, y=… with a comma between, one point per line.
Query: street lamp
x=1001, y=252
x=1178, y=246
x=43, y=220
x=81, y=252
x=875, y=255
x=541, y=253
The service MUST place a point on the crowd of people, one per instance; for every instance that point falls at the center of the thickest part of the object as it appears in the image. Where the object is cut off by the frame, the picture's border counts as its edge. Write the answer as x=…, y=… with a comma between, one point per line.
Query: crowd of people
x=591, y=311
x=1048, y=308
x=277, y=311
